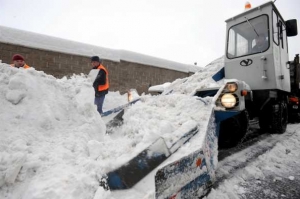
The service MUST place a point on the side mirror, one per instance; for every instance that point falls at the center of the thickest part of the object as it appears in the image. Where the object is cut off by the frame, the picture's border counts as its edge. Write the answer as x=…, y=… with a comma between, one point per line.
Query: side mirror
x=291, y=27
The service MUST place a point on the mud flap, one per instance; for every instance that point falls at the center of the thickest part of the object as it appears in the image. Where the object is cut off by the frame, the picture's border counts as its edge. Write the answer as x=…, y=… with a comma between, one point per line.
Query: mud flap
x=192, y=175
x=137, y=168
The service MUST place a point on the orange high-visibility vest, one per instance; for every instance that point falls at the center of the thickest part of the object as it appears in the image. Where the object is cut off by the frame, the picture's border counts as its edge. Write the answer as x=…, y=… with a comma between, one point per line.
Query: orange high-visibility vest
x=25, y=66
x=106, y=85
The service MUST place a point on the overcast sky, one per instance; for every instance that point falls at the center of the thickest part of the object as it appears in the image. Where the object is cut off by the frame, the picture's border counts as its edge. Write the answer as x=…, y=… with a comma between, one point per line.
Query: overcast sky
x=185, y=31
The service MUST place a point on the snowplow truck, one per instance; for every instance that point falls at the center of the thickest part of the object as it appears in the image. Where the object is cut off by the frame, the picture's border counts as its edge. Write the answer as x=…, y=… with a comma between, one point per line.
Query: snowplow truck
x=259, y=83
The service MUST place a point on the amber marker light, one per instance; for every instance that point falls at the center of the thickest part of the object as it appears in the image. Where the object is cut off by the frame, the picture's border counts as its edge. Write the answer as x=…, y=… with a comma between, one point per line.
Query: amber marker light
x=244, y=92
x=247, y=5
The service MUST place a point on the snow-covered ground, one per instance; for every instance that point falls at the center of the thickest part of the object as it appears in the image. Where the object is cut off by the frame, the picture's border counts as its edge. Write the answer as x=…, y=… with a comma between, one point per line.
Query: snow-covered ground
x=267, y=169
x=53, y=142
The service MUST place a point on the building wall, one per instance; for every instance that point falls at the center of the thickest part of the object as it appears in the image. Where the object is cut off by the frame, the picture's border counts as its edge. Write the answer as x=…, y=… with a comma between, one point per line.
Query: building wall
x=123, y=75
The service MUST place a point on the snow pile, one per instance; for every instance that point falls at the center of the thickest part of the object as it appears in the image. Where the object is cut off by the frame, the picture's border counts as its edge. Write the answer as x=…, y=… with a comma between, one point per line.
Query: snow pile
x=159, y=88
x=52, y=142
x=45, y=127
x=114, y=99
x=200, y=80
x=166, y=116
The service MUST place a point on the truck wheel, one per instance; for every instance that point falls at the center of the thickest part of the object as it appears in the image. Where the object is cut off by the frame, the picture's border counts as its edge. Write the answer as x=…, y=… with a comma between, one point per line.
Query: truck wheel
x=233, y=130
x=279, y=118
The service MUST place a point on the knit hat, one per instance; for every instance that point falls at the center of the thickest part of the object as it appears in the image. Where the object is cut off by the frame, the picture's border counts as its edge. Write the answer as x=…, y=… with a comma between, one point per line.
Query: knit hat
x=95, y=58
x=18, y=57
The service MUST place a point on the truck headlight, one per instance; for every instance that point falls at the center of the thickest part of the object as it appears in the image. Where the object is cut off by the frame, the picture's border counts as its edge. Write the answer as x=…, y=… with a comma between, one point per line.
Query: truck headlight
x=232, y=87
x=228, y=100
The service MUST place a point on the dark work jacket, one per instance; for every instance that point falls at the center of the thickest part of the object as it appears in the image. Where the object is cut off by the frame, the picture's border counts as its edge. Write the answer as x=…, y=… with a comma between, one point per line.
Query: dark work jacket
x=100, y=80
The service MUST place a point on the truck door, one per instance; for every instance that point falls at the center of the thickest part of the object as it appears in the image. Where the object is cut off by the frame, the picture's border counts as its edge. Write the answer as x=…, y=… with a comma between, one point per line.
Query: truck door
x=280, y=51
x=248, y=47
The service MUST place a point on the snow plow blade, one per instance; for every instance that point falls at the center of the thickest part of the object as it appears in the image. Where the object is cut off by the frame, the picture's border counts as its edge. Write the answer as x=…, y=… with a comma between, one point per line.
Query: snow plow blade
x=184, y=139
x=170, y=181
x=192, y=175
x=137, y=168
x=119, y=108
x=114, y=117
x=141, y=165
x=117, y=120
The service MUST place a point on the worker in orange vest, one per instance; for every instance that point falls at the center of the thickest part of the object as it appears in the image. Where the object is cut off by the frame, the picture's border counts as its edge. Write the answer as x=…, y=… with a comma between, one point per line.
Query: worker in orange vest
x=19, y=62
x=101, y=83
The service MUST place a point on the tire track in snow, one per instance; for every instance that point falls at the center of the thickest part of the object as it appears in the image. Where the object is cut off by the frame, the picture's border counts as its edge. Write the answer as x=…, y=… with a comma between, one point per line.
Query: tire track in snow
x=239, y=157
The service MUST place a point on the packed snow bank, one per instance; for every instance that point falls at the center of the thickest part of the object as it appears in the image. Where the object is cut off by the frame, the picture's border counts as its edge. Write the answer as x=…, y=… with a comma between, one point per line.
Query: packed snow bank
x=46, y=125
x=113, y=99
x=200, y=80
x=52, y=142
x=168, y=116
x=159, y=88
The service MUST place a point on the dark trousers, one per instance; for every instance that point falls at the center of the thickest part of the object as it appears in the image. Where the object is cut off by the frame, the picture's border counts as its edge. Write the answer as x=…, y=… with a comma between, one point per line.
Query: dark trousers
x=99, y=102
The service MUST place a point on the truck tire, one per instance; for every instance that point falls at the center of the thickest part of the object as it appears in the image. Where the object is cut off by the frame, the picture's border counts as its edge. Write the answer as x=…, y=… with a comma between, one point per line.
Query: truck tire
x=279, y=118
x=233, y=130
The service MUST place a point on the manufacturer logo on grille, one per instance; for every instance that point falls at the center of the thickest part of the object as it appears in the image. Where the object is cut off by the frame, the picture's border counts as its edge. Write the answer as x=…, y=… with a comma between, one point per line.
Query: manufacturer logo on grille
x=246, y=62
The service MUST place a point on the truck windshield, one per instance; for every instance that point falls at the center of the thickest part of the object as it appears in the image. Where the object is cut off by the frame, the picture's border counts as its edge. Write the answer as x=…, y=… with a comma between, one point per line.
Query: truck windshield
x=248, y=37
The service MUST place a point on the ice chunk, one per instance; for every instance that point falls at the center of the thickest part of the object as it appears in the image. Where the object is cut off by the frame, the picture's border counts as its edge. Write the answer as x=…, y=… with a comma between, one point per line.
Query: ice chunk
x=15, y=96
x=16, y=164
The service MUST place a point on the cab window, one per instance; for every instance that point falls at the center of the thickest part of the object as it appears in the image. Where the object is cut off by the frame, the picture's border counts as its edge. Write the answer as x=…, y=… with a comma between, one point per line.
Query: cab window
x=275, y=28
x=248, y=37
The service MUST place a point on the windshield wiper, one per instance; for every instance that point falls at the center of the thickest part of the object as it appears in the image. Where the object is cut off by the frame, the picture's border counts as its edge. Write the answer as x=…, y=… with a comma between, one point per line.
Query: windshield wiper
x=252, y=26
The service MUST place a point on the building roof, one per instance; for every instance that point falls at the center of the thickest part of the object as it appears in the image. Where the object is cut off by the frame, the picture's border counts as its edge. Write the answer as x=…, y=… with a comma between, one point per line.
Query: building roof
x=44, y=42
